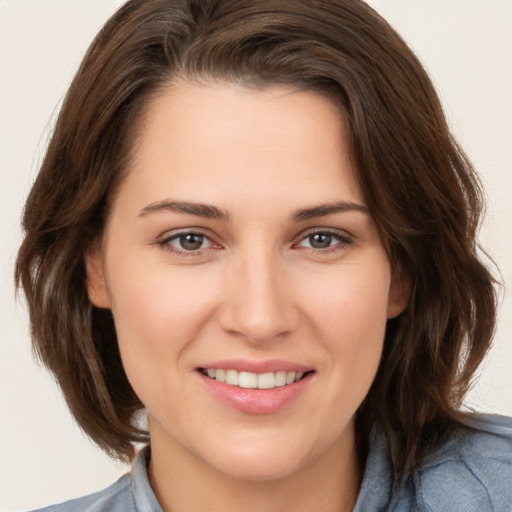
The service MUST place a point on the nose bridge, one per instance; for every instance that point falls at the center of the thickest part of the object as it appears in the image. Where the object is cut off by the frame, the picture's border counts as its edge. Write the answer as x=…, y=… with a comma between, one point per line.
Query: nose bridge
x=258, y=304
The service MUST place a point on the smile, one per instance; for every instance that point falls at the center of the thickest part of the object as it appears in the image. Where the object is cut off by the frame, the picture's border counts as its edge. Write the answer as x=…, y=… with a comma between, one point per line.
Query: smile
x=250, y=380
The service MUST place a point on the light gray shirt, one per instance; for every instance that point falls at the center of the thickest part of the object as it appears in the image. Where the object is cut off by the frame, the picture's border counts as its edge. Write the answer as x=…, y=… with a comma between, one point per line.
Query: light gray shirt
x=470, y=472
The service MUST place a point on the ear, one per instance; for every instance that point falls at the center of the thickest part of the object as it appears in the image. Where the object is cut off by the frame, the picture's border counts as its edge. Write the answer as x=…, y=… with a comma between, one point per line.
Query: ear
x=95, y=277
x=398, y=292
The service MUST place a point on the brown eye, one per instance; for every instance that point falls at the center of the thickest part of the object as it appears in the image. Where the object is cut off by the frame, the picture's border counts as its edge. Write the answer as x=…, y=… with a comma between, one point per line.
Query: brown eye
x=320, y=240
x=191, y=242
x=187, y=242
x=323, y=240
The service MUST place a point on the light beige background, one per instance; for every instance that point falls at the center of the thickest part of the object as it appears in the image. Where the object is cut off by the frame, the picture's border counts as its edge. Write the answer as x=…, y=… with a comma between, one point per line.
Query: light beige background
x=465, y=44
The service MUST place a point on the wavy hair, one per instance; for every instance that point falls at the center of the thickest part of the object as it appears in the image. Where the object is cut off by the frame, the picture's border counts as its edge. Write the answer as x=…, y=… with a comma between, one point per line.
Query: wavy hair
x=419, y=187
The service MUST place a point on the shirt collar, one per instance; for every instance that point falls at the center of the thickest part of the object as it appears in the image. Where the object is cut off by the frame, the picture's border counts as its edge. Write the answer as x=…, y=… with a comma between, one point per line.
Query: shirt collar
x=378, y=483
x=375, y=493
x=142, y=493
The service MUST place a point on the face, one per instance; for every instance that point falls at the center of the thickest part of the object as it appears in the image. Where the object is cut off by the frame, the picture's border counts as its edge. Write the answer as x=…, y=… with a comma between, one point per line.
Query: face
x=249, y=286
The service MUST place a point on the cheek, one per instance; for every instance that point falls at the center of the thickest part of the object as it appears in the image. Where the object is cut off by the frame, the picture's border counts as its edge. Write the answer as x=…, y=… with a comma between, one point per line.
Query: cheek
x=350, y=312
x=353, y=301
x=157, y=315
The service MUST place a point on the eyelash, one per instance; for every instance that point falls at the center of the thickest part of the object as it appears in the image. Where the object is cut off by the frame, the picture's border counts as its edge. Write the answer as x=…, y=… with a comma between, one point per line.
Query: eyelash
x=343, y=241
x=166, y=243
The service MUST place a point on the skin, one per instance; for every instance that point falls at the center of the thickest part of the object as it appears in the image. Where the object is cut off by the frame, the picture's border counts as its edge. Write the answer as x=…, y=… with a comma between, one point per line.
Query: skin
x=259, y=287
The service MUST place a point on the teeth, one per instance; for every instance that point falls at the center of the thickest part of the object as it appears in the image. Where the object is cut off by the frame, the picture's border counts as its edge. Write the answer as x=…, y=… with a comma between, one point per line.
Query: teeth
x=232, y=377
x=281, y=378
x=246, y=379
x=266, y=381
x=250, y=380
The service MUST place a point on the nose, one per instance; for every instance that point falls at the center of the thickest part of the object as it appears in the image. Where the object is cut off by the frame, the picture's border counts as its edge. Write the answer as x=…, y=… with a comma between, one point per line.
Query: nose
x=259, y=304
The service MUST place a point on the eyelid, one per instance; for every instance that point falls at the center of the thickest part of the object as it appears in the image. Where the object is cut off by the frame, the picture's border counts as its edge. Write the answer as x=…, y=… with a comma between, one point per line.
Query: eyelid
x=168, y=236
x=192, y=230
x=344, y=238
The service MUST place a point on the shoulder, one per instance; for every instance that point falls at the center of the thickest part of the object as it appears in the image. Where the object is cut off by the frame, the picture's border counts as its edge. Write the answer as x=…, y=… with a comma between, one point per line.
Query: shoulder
x=115, y=498
x=131, y=493
x=471, y=471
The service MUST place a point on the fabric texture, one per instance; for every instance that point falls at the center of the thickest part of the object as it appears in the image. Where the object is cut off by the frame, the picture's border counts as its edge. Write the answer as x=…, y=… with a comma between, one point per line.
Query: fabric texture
x=471, y=472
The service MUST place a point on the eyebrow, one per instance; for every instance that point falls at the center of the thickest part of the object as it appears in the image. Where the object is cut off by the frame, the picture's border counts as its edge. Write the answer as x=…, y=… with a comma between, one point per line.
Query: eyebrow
x=323, y=210
x=198, y=209
x=208, y=211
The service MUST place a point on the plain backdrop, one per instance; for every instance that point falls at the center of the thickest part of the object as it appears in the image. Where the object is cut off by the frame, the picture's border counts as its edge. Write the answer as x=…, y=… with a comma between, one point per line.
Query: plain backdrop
x=465, y=44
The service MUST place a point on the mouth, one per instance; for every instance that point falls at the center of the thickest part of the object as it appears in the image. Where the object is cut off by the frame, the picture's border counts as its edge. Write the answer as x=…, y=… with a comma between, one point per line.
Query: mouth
x=249, y=380
x=256, y=387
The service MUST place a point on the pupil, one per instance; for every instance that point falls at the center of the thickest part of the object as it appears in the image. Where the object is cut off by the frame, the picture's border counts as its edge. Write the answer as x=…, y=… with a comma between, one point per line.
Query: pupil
x=191, y=242
x=320, y=241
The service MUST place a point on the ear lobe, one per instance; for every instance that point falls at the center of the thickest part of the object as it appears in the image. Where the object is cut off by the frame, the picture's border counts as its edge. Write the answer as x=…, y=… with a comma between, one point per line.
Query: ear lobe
x=95, y=278
x=398, y=292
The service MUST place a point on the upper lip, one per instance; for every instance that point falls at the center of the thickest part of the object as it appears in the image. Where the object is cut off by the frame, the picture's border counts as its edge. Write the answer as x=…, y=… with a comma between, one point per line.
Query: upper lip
x=255, y=366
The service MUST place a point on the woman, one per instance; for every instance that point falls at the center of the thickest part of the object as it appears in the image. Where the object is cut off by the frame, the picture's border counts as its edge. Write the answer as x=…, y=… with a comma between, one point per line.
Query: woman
x=252, y=222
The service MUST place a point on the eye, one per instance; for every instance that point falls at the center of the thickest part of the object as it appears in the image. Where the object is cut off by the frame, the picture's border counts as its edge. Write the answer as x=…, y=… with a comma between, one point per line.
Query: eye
x=187, y=242
x=322, y=240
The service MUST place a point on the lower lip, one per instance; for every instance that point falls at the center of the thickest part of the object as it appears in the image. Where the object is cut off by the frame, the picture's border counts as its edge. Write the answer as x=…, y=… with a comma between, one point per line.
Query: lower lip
x=256, y=401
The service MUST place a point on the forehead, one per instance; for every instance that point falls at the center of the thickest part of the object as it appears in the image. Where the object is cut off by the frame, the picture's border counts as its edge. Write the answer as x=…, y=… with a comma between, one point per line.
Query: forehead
x=197, y=140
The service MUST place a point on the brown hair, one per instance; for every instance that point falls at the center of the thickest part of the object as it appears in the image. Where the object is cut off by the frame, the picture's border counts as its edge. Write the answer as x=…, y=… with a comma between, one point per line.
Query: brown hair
x=418, y=184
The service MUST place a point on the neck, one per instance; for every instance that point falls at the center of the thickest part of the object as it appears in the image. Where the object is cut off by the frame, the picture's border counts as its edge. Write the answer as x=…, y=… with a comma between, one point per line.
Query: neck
x=330, y=483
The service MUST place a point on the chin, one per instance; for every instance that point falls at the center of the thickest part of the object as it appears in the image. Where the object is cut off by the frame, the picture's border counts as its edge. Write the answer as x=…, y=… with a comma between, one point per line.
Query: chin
x=261, y=468
x=258, y=459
